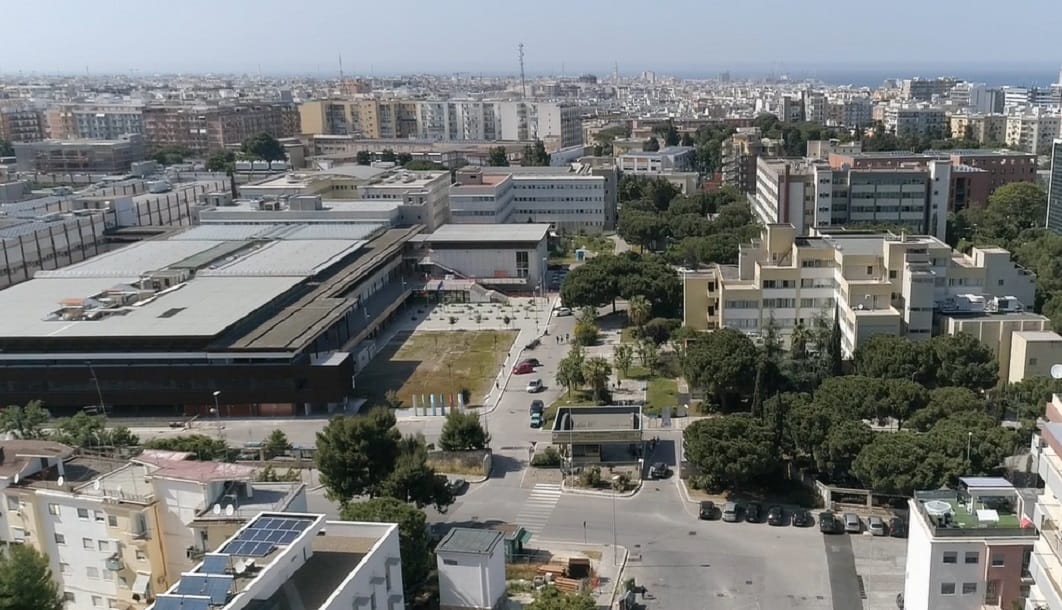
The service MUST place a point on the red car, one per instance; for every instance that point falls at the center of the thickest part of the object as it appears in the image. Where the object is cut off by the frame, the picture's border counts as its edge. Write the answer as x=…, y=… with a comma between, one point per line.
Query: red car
x=523, y=368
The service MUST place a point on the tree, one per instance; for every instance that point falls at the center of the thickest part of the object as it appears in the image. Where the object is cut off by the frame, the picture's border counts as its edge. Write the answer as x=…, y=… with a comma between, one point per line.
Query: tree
x=570, y=369
x=463, y=432
x=833, y=349
x=659, y=330
x=1025, y=400
x=221, y=161
x=264, y=146
x=413, y=539
x=201, y=446
x=356, y=454
x=25, y=422
x=642, y=228
x=963, y=361
x=897, y=463
x=668, y=133
x=171, y=156
x=651, y=145
x=730, y=451
x=648, y=354
x=363, y=158
x=596, y=371
x=842, y=445
x=276, y=444
x=81, y=430
x=1012, y=210
x=722, y=362
x=808, y=425
x=552, y=598
x=944, y=402
x=638, y=310
x=892, y=357
x=411, y=478
x=535, y=155
x=798, y=341
x=586, y=332
x=403, y=159
x=624, y=357
x=26, y=581
x=498, y=157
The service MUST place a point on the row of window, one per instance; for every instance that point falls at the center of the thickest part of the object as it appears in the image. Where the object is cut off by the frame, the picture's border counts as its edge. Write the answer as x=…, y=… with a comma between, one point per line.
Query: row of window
x=948, y=588
x=97, y=600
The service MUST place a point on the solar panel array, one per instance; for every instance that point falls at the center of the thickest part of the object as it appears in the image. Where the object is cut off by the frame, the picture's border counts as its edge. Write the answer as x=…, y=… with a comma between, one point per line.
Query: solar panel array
x=261, y=537
x=214, y=564
x=214, y=586
x=182, y=602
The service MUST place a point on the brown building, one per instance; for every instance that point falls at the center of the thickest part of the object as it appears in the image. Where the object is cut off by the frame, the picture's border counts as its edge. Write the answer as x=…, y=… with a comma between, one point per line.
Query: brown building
x=21, y=124
x=80, y=156
x=202, y=130
x=977, y=173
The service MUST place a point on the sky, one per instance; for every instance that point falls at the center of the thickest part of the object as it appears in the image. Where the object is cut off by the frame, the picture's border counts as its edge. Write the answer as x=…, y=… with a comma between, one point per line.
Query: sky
x=380, y=37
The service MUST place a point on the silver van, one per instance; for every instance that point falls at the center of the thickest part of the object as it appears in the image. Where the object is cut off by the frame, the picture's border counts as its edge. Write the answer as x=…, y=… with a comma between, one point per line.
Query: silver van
x=730, y=512
x=852, y=523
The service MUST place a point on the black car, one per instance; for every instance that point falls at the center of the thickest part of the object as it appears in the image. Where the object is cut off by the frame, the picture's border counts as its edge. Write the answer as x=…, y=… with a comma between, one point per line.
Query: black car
x=707, y=510
x=458, y=486
x=752, y=512
x=775, y=515
x=537, y=406
x=897, y=528
x=801, y=518
x=659, y=470
x=829, y=523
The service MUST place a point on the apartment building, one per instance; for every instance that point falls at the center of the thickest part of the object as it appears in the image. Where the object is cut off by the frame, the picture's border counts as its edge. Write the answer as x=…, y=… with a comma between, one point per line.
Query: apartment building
x=583, y=200
x=739, y=154
x=202, y=129
x=667, y=159
x=1033, y=131
x=116, y=532
x=21, y=123
x=915, y=121
x=295, y=560
x=879, y=283
x=1054, y=188
x=94, y=121
x=982, y=128
x=852, y=112
x=540, y=120
x=814, y=194
x=1046, y=563
x=968, y=548
x=924, y=89
x=1022, y=341
x=80, y=156
x=820, y=150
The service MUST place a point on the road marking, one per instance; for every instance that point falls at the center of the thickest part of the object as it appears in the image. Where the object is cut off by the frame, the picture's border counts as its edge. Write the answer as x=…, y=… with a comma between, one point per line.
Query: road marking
x=538, y=507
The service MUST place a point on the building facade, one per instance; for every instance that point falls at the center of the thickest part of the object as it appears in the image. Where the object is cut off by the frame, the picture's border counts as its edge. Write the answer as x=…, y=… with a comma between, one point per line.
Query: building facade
x=471, y=564
x=80, y=156
x=668, y=159
x=1054, y=189
x=205, y=129
x=1046, y=562
x=94, y=121
x=878, y=283
x=20, y=123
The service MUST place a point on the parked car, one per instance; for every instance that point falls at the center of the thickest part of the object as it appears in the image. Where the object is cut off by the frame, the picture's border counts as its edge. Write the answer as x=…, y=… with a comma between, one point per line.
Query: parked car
x=533, y=344
x=730, y=512
x=564, y=311
x=532, y=361
x=875, y=526
x=457, y=486
x=852, y=523
x=753, y=512
x=707, y=510
x=523, y=368
x=775, y=515
x=829, y=524
x=537, y=406
x=659, y=470
x=897, y=527
x=536, y=420
x=801, y=518
x=534, y=386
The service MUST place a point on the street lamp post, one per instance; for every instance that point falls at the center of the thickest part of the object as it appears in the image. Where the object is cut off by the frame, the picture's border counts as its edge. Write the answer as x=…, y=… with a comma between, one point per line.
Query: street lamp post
x=969, y=437
x=615, y=549
x=217, y=411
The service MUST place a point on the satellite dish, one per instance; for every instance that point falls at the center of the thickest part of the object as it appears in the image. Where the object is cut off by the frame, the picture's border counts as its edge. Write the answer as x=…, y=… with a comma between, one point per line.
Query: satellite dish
x=217, y=509
x=1056, y=371
x=61, y=480
x=230, y=510
x=96, y=485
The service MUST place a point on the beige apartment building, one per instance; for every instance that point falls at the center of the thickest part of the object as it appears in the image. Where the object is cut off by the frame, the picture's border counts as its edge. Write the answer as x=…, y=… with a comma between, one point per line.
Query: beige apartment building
x=202, y=129
x=1022, y=341
x=365, y=118
x=119, y=532
x=984, y=128
x=879, y=283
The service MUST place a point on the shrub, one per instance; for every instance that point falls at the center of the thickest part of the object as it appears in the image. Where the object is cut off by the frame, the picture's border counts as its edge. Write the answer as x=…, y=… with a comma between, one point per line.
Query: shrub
x=591, y=477
x=550, y=458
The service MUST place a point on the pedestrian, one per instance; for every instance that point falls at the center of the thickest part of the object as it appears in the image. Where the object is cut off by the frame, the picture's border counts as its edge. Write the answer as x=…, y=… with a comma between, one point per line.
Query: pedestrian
x=497, y=386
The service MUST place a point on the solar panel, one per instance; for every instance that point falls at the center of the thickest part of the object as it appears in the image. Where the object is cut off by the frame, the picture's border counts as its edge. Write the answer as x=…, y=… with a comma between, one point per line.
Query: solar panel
x=182, y=602
x=215, y=564
x=288, y=537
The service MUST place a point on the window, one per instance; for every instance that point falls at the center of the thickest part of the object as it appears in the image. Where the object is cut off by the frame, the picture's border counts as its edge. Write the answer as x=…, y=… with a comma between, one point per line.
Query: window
x=140, y=556
x=947, y=588
x=112, y=603
x=1000, y=282
x=870, y=270
x=112, y=520
x=106, y=546
x=97, y=601
x=64, y=568
x=82, y=513
x=92, y=572
x=100, y=516
x=998, y=561
x=1032, y=361
x=969, y=587
x=68, y=597
x=972, y=557
x=18, y=533
x=53, y=510
x=87, y=543
x=892, y=275
x=951, y=557
x=12, y=503
x=60, y=539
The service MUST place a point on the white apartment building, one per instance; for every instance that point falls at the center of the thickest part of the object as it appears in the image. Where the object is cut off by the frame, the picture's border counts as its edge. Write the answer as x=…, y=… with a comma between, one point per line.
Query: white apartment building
x=967, y=548
x=95, y=121
x=879, y=283
x=524, y=121
x=295, y=560
x=919, y=120
x=570, y=201
x=1054, y=188
x=811, y=194
x=424, y=196
x=1046, y=564
x=1033, y=131
x=668, y=159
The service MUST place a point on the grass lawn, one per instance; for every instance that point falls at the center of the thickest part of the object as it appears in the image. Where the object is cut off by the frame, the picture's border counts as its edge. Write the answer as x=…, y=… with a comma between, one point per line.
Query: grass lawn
x=596, y=244
x=435, y=362
x=662, y=392
x=579, y=398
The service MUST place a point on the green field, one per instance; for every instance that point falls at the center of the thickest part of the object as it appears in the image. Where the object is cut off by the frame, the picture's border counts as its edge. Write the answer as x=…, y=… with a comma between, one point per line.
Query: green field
x=436, y=362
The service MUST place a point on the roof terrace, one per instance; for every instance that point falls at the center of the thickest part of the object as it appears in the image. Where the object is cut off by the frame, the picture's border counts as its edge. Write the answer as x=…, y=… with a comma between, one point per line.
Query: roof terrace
x=980, y=507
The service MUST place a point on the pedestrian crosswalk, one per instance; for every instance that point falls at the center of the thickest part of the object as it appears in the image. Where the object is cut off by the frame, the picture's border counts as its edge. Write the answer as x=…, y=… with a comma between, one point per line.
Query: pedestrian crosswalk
x=539, y=507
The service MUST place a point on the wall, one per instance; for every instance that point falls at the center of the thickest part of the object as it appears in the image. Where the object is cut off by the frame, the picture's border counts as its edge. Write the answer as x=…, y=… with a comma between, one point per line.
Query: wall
x=179, y=502
x=471, y=581
x=379, y=563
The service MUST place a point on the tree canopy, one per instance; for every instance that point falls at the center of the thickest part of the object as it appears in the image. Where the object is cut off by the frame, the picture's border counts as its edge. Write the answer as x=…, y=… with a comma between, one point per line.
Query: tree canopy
x=958, y=360
x=463, y=432
x=722, y=362
x=264, y=146
x=497, y=156
x=535, y=155
x=201, y=446
x=26, y=581
x=6, y=148
x=608, y=277
x=413, y=540
x=730, y=451
x=25, y=422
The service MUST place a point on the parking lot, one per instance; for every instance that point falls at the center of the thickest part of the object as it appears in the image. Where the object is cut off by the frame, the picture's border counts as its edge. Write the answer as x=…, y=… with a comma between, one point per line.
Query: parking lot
x=879, y=562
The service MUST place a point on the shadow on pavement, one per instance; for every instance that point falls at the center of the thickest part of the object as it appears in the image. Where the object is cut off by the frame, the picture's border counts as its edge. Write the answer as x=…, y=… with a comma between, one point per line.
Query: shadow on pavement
x=503, y=464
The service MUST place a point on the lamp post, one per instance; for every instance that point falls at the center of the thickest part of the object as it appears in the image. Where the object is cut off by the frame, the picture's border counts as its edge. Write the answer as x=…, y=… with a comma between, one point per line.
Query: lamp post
x=969, y=437
x=615, y=549
x=217, y=411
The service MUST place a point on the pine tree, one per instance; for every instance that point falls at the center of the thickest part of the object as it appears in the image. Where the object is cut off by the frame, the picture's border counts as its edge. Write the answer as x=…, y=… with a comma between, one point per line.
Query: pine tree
x=836, y=368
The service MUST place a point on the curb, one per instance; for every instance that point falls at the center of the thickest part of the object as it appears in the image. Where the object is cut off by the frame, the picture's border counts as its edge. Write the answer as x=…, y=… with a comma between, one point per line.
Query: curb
x=604, y=494
x=619, y=575
x=519, y=354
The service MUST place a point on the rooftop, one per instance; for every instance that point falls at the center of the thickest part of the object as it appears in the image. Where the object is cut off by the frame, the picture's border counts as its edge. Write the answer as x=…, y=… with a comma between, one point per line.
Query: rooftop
x=519, y=232
x=467, y=540
x=608, y=417
x=1039, y=335
x=980, y=507
x=15, y=455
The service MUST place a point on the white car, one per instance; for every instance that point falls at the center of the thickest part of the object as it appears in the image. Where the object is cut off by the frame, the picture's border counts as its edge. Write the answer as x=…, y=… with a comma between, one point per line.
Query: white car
x=533, y=386
x=563, y=311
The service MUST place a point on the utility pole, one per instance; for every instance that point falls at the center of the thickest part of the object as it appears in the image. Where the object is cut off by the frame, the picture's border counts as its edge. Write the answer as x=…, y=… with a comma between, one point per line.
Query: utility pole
x=523, y=81
x=341, y=67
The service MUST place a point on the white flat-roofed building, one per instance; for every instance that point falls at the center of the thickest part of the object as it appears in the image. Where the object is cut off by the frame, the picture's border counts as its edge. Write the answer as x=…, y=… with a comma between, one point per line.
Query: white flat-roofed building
x=471, y=565
x=295, y=560
x=507, y=256
x=1045, y=566
x=668, y=159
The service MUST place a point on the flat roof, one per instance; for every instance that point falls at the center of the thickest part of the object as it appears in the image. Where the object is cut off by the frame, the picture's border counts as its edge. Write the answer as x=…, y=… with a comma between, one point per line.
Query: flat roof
x=130, y=261
x=1039, y=335
x=467, y=540
x=518, y=232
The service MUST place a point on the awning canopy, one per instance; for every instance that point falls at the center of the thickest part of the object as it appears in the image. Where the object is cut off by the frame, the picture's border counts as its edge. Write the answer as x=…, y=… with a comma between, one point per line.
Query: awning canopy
x=140, y=585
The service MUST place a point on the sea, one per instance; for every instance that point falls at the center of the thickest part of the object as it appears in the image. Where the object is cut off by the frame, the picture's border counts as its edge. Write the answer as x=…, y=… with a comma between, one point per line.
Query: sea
x=858, y=76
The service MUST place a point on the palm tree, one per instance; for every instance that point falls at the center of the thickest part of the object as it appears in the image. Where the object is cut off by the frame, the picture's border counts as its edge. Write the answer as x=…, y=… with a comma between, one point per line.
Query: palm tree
x=648, y=353
x=596, y=371
x=638, y=310
x=624, y=356
x=570, y=370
